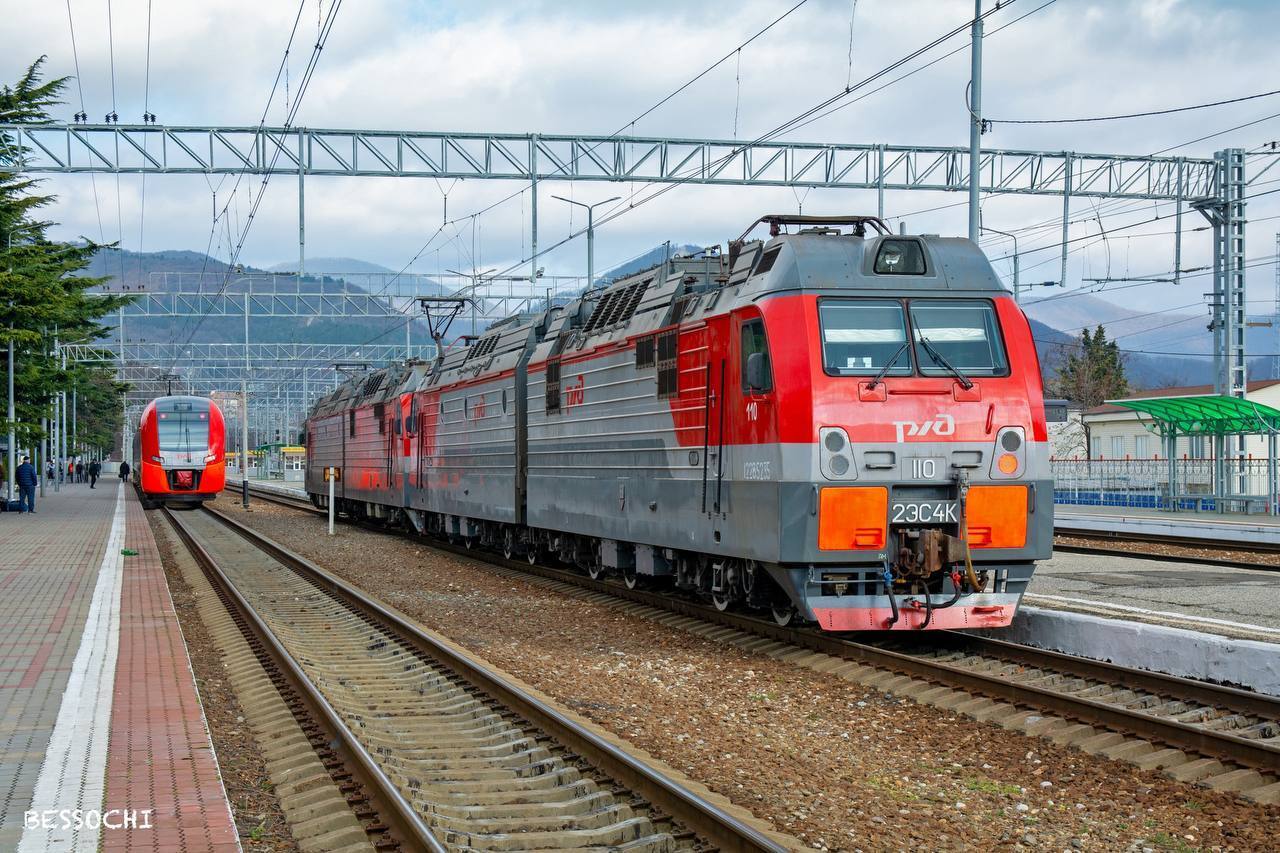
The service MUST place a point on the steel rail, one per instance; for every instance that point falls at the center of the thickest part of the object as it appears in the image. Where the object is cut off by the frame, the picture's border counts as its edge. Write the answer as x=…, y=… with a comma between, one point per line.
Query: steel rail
x=707, y=819
x=1173, y=733
x=390, y=805
x=1165, y=538
x=1188, y=559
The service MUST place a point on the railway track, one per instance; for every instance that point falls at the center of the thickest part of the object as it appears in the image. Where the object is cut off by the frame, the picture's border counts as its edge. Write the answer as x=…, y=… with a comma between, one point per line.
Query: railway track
x=1187, y=550
x=1195, y=731
x=447, y=754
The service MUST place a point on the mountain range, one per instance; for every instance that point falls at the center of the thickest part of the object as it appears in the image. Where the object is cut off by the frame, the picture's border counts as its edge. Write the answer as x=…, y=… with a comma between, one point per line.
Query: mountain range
x=1161, y=348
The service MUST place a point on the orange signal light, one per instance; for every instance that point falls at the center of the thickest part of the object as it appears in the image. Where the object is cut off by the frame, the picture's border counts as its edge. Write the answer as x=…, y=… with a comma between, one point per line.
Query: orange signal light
x=853, y=518
x=1007, y=463
x=997, y=516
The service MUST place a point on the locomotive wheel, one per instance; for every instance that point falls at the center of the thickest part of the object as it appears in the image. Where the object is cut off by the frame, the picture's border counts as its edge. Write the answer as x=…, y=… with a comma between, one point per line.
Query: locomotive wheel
x=783, y=613
x=508, y=543
x=532, y=554
x=630, y=577
x=596, y=571
x=721, y=601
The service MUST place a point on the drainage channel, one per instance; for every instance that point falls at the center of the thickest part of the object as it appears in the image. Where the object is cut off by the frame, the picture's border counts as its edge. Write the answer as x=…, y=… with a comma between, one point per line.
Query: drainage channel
x=453, y=754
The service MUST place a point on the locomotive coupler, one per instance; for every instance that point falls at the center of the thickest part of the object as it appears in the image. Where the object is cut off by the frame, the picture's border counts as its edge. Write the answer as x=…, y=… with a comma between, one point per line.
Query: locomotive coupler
x=925, y=551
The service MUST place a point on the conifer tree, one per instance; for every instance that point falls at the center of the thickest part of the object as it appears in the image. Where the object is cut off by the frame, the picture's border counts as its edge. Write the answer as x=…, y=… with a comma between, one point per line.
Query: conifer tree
x=1093, y=372
x=40, y=291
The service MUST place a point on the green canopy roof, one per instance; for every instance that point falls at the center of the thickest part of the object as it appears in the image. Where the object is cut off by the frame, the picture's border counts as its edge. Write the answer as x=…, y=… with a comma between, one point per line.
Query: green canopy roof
x=1208, y=415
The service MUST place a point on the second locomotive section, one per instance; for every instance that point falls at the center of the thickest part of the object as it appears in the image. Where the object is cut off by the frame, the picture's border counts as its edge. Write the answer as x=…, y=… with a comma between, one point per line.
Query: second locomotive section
x=843, y=428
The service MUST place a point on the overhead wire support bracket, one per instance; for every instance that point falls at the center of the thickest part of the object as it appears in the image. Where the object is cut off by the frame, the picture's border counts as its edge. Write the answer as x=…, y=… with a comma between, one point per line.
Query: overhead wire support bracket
x=72, y=149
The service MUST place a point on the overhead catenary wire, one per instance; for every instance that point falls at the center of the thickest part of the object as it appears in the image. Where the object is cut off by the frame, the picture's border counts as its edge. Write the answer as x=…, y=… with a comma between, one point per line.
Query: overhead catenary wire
x=313, y=61
x=146, y=110
x=1146, y=114
x=111, y=52
x=736, y=51
x=624, y=207
x=75, y=55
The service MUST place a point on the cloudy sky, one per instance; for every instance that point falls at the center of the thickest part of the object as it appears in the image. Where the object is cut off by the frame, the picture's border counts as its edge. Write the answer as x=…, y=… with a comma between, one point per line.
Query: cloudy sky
x=593, y=67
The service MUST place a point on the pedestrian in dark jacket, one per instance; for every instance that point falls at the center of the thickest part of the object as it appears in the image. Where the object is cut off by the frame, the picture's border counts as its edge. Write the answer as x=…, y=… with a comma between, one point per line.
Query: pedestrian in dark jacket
x=79, y=472
x=27, y=480
x=95, y=468
x=124, y=470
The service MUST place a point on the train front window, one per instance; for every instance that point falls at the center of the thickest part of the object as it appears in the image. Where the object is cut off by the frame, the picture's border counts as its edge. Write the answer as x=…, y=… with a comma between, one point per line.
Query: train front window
x=182, y=432
x=865, y=337
x=960, y=335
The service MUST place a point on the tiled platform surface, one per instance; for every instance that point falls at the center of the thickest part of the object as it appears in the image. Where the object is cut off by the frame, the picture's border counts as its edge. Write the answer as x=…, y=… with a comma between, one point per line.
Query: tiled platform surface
x=63, y=580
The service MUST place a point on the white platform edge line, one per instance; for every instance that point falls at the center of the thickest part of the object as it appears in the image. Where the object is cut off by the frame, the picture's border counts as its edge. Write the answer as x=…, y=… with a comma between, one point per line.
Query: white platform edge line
x=73, y=774
x=1186, y=617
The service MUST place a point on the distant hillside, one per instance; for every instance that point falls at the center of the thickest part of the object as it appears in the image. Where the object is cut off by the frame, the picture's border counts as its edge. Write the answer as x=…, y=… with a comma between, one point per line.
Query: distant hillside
x=331, y=266
x=653, y=257
x=167, y=271
x=161, y=272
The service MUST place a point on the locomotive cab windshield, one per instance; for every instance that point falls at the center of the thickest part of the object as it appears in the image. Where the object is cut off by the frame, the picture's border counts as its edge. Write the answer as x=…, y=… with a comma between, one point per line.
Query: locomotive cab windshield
x=869, y=337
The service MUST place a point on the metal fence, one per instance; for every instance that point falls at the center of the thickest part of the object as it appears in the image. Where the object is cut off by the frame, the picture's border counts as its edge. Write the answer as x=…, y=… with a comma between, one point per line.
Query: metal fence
x=1144, y=483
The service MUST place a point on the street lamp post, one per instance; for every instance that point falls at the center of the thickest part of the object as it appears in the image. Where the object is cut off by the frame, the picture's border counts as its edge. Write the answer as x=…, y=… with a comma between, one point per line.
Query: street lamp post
x=591, y=233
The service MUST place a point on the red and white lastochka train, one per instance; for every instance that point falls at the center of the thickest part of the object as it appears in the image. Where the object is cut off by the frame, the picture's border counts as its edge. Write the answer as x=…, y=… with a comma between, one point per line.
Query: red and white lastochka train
x=179, y=451
x=840, y=425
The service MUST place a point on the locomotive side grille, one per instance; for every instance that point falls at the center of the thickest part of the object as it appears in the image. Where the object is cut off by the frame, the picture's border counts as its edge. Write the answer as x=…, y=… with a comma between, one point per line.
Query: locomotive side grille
x=616, y=306
x=553, y=384
x=646, y=353
x=481, y=348
x=668, y=375
x=373, y=383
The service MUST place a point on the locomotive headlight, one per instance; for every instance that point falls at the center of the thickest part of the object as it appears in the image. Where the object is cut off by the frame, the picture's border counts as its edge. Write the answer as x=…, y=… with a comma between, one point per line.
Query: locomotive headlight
x=1010, y=453
x=835, y=456
x=209, y=457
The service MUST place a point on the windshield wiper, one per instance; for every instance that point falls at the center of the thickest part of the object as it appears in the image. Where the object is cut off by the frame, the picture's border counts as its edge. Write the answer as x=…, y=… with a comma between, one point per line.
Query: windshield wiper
x=940, y=359
x=879, y=377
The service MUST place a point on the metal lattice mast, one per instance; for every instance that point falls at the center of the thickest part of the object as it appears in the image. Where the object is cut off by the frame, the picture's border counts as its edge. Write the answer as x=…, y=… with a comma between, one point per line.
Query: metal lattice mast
x=1275, y=315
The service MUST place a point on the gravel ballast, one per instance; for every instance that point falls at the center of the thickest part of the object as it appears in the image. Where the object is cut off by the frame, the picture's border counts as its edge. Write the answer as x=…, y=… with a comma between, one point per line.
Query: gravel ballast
x=839, y=765
x=258, y=816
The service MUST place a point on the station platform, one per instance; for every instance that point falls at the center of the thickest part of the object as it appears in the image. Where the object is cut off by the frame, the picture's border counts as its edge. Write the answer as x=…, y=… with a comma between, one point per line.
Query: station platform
x=1208, y=527
x=99, y=710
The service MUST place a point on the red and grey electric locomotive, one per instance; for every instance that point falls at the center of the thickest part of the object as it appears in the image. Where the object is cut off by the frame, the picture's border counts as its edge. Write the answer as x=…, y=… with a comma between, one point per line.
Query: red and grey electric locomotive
x=837, y=424
x=179, y=451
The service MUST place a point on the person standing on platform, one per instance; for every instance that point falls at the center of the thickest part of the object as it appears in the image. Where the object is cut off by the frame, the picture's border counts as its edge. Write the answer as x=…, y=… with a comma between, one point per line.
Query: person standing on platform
x=124, y=470
x=27, y=481
x=71, y=471
x=80, y=471
x=95, y=468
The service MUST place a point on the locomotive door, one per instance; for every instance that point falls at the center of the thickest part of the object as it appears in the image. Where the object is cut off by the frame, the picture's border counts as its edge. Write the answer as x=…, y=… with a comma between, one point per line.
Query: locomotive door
x=405, y=429
x=752, y=414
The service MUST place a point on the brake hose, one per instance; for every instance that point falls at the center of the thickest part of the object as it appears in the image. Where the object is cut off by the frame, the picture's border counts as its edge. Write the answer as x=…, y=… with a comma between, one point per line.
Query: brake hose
x=888, y=588
x=928, y=610
x=964, y=537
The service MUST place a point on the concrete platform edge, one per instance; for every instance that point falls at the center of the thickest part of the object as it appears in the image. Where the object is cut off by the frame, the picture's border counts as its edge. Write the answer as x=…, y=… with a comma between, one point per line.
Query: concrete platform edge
x=1250, y=664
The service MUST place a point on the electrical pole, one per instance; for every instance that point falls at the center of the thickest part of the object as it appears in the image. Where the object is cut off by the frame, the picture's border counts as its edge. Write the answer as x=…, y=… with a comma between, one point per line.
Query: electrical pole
x=975, y=120
x=13, y=416
x=244, y=396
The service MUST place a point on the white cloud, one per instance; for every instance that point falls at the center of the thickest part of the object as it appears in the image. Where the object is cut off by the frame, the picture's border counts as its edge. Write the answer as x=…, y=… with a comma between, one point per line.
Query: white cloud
x=589, y=67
